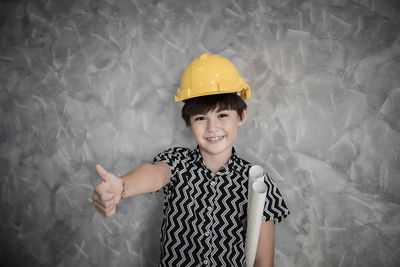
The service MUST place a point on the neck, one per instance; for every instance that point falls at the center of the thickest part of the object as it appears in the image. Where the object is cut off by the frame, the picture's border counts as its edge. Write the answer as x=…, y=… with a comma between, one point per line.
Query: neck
x=215, y=162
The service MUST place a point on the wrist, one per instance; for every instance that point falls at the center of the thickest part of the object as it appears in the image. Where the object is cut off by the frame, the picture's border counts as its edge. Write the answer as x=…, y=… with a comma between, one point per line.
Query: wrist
x=123, y=190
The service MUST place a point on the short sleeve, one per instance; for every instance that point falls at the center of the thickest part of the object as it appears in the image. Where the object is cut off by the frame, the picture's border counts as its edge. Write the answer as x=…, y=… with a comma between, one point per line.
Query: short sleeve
x=173, y=157
x=167, y=156
x=275, y=207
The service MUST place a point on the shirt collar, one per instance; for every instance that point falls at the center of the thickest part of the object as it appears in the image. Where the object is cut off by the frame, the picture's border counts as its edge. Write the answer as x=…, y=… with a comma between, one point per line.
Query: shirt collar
x=227, y=168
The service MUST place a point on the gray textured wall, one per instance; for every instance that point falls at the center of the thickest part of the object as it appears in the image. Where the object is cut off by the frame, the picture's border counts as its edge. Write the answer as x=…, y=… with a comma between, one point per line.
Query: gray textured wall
x=85, y=82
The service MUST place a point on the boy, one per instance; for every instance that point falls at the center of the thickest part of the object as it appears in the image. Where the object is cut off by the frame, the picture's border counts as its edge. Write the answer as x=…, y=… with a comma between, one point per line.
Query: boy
x=205, y=189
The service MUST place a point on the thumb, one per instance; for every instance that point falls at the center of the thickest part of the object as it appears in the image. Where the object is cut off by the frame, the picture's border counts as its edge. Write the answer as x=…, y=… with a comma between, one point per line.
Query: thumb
x=103, y=174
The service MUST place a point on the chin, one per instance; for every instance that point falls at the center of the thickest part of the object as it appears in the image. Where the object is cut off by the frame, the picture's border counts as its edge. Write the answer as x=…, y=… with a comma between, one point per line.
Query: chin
x=217, y=149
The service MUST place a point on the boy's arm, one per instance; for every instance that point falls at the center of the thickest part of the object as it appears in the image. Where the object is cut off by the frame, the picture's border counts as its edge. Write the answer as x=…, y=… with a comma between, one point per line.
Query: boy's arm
x=266, y=245
x=144, y=179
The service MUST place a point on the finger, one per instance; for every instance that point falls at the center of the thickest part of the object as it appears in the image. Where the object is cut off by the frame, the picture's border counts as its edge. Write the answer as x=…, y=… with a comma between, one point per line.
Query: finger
x=102, y=187
x=98, y=208
x=104, y=191
x=103, y=196
x=105, y=212
x=102, y=207
x=100, y=211
x=98, y=204
x=103, y=174
x=104, y=204
x=110, y=213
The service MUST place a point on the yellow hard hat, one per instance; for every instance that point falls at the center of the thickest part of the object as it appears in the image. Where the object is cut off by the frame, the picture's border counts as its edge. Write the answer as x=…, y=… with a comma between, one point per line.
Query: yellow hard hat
x=210, y=75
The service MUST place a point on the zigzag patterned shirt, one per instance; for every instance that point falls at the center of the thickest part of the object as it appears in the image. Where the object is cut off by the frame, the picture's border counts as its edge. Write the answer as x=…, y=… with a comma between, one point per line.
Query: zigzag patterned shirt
x=204, y=221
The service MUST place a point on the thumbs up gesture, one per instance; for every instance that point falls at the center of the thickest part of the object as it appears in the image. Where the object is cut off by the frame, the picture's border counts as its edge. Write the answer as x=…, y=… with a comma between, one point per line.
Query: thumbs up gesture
x=107, y=193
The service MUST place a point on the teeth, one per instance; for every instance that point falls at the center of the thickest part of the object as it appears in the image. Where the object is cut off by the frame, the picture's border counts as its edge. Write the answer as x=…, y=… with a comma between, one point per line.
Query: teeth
x=214, y=138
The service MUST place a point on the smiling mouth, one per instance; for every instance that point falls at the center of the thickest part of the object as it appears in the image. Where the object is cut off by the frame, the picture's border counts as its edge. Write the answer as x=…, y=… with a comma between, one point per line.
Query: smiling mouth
x=215, y=139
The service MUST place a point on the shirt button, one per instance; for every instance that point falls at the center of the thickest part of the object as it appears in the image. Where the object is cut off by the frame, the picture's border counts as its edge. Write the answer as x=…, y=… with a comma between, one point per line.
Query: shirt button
x=209, y=208
x=213, y=183
x=205, y=261
x=207, y=233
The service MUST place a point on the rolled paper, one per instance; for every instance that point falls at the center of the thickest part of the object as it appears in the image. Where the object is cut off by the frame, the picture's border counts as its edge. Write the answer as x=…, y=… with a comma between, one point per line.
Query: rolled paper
x=256, y=172
x=256, y=198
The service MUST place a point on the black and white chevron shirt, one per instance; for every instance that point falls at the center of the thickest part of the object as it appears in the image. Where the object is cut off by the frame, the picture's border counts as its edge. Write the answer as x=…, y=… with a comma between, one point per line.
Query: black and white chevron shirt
x=204, y=220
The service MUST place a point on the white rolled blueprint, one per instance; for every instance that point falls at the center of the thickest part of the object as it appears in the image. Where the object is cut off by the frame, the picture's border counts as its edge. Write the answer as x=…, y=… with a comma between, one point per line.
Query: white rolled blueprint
x=256, y=198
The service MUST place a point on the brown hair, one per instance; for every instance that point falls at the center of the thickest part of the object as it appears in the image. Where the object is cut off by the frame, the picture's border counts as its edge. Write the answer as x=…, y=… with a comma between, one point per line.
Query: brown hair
x=204, y=104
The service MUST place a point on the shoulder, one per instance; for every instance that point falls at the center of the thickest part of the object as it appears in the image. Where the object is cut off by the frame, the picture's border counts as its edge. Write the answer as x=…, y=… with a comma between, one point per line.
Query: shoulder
x=243, y=162
x=173, y=154
x=177, y=150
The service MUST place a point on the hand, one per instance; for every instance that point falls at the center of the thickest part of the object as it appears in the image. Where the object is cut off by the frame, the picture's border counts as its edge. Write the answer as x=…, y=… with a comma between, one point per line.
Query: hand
x=107, y=193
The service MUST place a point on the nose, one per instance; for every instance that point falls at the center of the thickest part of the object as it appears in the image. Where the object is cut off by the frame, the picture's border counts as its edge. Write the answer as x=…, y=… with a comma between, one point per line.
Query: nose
x=212, y=124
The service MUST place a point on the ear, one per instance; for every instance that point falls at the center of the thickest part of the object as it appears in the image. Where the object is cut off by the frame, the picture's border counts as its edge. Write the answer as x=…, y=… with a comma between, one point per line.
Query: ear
x=244, y=117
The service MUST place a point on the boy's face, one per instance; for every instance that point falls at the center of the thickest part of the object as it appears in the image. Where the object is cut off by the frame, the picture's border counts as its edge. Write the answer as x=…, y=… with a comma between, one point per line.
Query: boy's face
x=216, y=130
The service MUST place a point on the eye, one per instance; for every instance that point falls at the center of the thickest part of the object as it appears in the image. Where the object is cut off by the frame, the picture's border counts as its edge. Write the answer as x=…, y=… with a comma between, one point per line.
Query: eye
x=199, y=118
x=222, y=115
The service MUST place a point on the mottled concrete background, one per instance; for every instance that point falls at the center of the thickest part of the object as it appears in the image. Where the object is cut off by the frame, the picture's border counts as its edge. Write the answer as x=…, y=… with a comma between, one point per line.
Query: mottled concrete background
x=86, y=81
